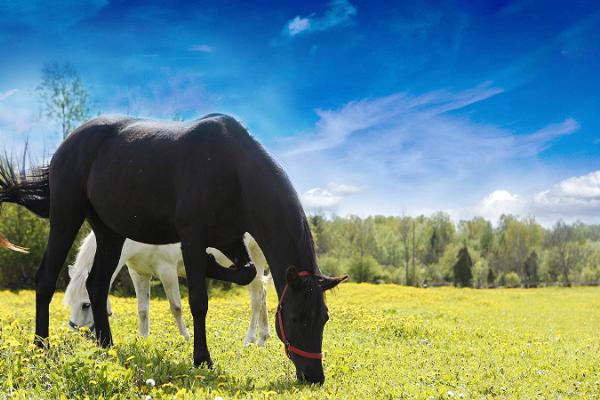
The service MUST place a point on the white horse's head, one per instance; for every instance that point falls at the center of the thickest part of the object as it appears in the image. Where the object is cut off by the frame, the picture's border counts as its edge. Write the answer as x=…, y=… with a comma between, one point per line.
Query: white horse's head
x=78, y=300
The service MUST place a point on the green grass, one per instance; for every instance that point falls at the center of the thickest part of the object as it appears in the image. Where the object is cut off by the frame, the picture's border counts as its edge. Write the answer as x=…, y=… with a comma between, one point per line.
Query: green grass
x=381, y=342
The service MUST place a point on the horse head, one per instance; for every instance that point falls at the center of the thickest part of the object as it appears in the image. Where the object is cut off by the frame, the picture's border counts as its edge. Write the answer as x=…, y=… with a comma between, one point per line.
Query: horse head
x=300, y=321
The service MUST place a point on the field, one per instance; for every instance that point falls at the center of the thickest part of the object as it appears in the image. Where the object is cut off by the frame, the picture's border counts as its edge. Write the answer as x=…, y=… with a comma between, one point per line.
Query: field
x=381, y=342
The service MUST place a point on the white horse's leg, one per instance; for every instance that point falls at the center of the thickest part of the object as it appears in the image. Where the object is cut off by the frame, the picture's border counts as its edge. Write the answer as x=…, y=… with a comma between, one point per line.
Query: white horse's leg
x=264, y=330
x=255, y=287
x=258, y=295
x=167, y=274
x=141, y=284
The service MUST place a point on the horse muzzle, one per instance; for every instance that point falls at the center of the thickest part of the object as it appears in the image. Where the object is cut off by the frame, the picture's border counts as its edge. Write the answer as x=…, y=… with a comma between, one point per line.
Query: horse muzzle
x=317, y=378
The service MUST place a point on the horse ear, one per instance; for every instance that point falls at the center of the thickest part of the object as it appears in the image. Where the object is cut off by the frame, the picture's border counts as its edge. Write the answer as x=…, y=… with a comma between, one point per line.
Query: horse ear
x=327, y=282
x=70, y=269
x=292, y=278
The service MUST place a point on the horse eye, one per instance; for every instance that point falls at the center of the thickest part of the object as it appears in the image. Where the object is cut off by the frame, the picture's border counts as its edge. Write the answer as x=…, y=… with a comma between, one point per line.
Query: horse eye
x=85, y=306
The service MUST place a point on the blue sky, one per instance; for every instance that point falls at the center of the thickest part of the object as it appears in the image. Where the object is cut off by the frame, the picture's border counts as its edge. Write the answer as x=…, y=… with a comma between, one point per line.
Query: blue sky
x=474, y=108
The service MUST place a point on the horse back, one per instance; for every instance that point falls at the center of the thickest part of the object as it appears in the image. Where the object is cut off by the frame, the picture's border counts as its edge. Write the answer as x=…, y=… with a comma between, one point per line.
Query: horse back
x=144, y=178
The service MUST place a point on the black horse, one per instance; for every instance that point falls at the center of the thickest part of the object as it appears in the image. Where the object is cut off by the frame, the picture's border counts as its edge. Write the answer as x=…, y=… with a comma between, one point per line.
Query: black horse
x=203, y=183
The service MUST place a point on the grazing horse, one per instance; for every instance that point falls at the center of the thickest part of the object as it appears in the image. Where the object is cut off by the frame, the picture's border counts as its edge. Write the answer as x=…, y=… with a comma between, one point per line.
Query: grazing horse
x=164, y=262
x=203, y=183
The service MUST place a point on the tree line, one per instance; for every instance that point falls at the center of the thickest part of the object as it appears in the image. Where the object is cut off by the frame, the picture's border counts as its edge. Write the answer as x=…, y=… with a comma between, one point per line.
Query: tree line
x=434, y=250
x=416, y=251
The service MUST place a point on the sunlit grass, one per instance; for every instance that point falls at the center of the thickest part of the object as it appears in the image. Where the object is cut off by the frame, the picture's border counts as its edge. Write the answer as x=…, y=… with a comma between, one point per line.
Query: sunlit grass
x=381, y=342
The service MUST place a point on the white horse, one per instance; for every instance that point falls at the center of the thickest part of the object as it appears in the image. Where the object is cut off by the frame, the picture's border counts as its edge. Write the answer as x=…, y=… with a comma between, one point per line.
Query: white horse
x=166, y=263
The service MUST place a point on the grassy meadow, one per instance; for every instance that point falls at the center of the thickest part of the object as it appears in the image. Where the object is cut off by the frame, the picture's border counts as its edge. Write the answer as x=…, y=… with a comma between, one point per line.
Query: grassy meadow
x=383, y=341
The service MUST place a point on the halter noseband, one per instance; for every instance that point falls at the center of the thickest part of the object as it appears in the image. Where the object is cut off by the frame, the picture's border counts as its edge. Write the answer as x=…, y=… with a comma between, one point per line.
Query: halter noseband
x=288, y=346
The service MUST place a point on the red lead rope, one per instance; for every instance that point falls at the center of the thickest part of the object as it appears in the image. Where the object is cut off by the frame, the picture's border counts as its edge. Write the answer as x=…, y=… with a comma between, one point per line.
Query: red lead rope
x=288, y=347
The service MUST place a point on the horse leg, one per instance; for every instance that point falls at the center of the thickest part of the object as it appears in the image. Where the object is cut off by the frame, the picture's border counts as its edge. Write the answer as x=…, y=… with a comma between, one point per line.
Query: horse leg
x=237, y=273
x=251, y=332
x=193, y=249
x=259, y=303
x=170, y=281
x=112, y=280
x=242, y=272
x=141, y=284
x=108, y=252
x=264, y=330
x=62, y=235
x=238, y=252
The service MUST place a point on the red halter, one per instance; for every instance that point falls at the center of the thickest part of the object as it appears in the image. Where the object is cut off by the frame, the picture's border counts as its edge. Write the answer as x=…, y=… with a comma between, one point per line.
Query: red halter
x=288, y=347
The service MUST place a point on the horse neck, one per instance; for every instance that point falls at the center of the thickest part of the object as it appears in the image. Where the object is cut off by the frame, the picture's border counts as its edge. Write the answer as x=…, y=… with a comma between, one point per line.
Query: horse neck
x=286, y=242
x=274, y=215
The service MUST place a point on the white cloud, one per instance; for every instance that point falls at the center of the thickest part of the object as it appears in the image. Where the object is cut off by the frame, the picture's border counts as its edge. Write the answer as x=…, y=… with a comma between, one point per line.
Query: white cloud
x=298, y=25
x=328, y=199
x=201, y=48
x=582, y=187
x=339, y=13
x=575, y=198
x=318, y=198
x=7, y=94
x=497, y=203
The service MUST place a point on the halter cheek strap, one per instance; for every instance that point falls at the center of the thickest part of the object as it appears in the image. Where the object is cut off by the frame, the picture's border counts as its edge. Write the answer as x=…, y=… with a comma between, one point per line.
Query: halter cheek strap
x=287, y=345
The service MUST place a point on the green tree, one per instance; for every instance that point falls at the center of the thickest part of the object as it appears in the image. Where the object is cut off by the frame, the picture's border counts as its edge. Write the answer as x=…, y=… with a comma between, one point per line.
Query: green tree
x=63, y=96
x=363, y=269
x=491, y=278
x=463, y=275
x=516, y=240
x=361, y=236
x=531, y=270
x=562, y=240
x=442, y=234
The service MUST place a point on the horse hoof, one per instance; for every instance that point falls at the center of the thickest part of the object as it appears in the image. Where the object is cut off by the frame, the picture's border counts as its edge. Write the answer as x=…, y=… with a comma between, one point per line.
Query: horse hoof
x=42, y=343
x=262, y=340
x=249, y=340
x=204, y=361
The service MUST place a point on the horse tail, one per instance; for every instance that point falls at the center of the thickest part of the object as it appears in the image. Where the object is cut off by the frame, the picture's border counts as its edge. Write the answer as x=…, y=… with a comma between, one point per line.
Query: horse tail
x=31, y=192
x=79, y=271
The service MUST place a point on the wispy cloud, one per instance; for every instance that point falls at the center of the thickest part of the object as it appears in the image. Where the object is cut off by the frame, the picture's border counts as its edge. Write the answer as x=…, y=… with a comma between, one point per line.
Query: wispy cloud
x=514, y=7
x=413, y=151
x=421, y=131
x=338, y=13
x=175, y=94
x=7, y=94
x=16, y=115
x=398, y=112
x=201, y=48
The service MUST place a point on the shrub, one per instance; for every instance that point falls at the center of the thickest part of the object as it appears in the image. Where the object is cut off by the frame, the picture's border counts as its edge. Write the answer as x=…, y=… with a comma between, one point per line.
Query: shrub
x=590, y=275
x=510, y=280
x=363, y=269
x=331, y=266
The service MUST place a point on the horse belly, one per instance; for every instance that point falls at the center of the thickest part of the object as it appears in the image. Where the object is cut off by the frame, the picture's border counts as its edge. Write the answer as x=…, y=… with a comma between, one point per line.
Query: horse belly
x=131, y=203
